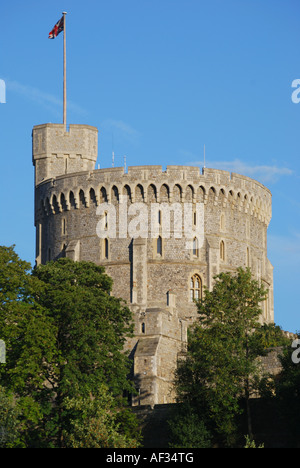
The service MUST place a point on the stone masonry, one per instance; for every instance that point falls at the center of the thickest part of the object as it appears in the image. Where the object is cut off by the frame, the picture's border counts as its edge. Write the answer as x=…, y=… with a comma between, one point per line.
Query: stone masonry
x=118, y=219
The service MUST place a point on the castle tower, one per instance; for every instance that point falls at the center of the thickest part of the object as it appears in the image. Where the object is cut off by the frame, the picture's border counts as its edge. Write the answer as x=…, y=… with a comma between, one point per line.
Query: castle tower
x=134, y=224
x=56, y=151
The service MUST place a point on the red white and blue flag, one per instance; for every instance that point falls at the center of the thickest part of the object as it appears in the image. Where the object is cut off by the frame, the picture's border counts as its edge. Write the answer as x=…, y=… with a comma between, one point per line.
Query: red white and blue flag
x=59, y=27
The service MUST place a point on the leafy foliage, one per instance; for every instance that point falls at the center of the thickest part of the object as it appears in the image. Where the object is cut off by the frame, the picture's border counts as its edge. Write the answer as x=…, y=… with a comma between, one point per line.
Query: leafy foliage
x=91, y=326
x=188, y=430
x=64, y=334
x=96, y=424
x=222, y=353
x=272, y=336
x=9, y=421
x=250, y=443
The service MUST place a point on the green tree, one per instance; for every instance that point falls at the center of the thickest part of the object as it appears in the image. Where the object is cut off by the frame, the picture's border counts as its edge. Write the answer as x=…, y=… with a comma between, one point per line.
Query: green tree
x=64, y=334
x=90, y=333
x=96, y=424
x=91, y=325
x=286, y=391
x=28, y=335
x=222, y=353
x=187, y=429
x=271, y=335
x=10, y=429
x=250, y=443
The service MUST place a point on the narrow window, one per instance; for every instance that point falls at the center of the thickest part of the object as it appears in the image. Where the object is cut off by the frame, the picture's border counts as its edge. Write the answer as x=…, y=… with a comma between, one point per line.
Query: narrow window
x=195, y=247
x=197, y=287
x=159, y=217
x=143, y=328
x=222, y=250
x=159, y=246
x=106, y=248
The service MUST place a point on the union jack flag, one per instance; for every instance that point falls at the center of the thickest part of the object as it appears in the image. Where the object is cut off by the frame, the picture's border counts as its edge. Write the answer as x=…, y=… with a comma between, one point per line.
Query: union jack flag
x=59, y=27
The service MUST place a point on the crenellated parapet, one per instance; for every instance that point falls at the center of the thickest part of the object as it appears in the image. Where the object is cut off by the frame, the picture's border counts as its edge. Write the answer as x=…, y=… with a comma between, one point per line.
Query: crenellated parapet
x=151, y=184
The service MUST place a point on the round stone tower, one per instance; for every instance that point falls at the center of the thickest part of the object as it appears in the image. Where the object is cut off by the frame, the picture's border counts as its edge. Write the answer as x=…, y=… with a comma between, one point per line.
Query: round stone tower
x=161, y=235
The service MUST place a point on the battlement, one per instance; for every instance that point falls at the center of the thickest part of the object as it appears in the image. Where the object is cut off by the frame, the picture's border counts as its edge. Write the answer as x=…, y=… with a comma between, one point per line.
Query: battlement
x=152, y=184
x=65, y=162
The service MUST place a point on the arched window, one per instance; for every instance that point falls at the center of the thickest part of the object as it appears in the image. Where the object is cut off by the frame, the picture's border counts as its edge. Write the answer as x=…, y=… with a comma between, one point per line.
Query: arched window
x=72, y=200
x=222, y=250
x=93, y=196
x=127, y=192
x=82, y=201
x=63, y=202
x=115, y=194
x=103, y=195
x=195, y=288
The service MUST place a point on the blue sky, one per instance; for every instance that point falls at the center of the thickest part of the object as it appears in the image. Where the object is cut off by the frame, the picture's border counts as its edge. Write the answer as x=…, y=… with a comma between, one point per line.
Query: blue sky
x=161, y=79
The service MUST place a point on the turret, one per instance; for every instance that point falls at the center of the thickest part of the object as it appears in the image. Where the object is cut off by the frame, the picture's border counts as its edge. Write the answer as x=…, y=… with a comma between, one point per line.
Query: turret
x=57, y=152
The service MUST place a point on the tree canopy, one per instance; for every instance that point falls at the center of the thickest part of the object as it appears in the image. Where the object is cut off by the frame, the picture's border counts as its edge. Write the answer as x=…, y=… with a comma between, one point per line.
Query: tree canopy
x=221, y=360
x=64, y=334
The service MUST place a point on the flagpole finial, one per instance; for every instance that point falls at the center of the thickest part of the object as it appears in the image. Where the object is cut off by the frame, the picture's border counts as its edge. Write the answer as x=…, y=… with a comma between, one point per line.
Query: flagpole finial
x=64, y=12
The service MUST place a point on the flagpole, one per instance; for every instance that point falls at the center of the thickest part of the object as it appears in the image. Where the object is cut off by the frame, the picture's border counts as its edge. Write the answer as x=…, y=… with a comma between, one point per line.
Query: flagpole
x=65, y=75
